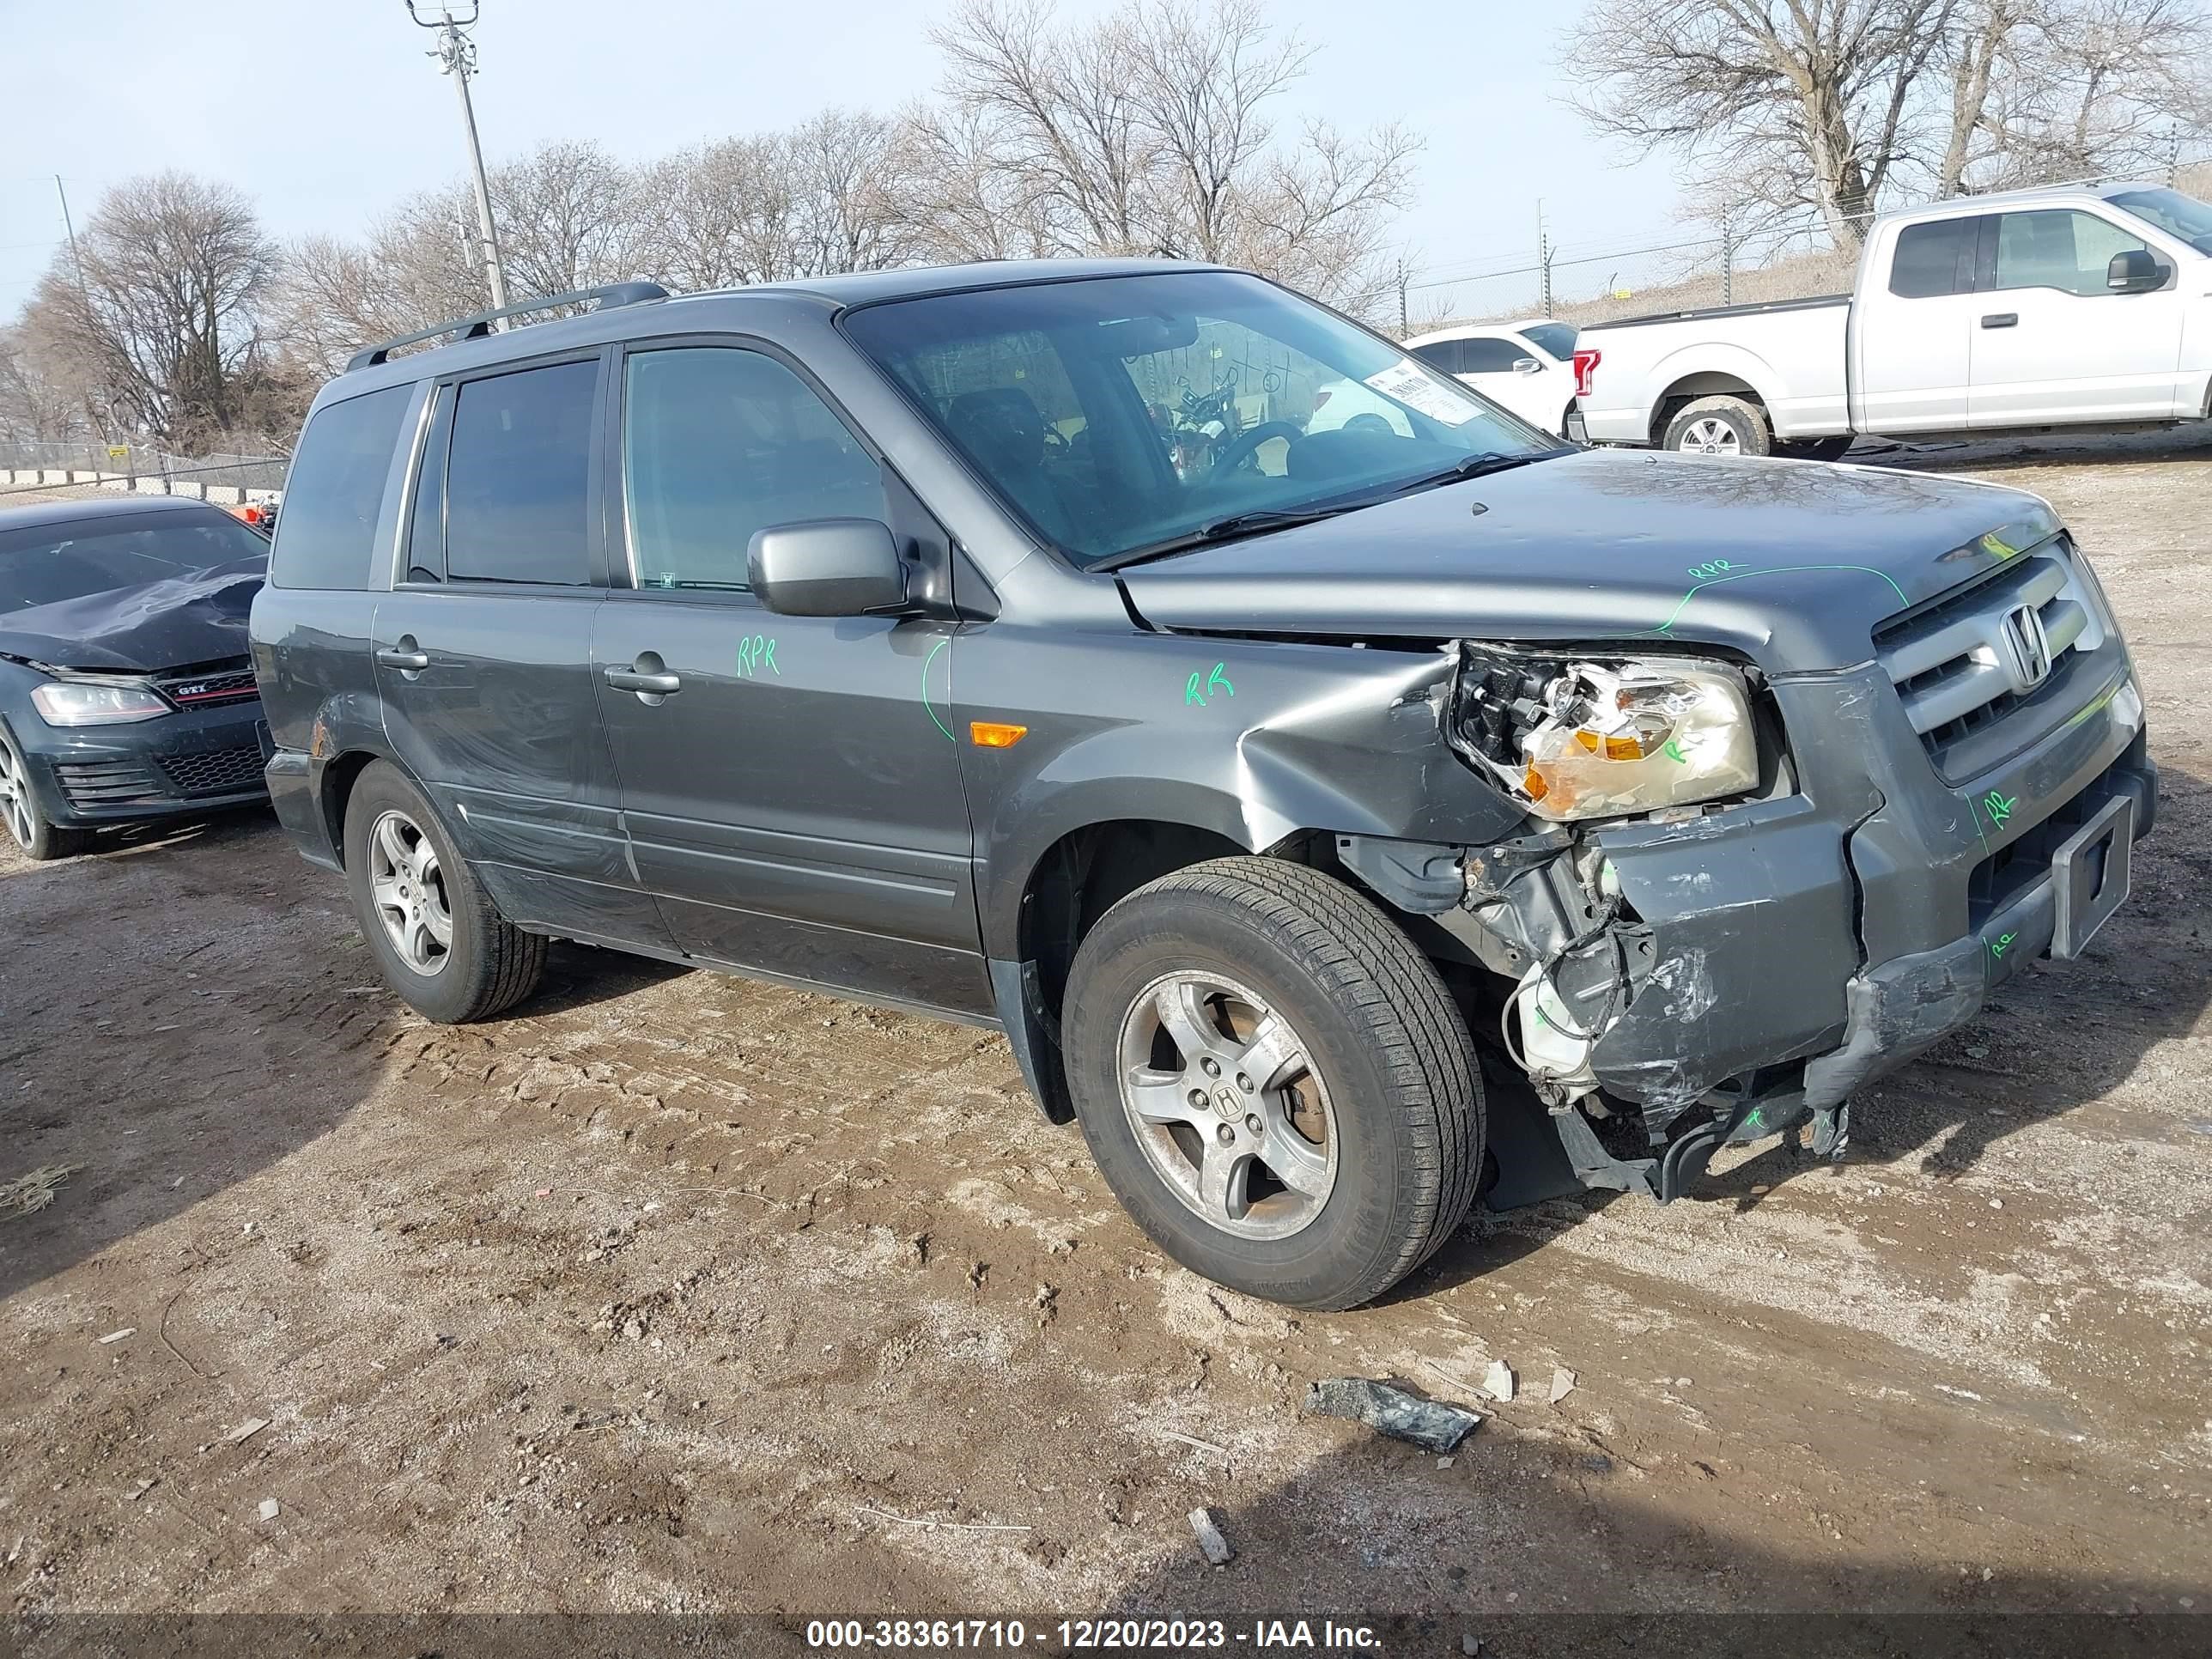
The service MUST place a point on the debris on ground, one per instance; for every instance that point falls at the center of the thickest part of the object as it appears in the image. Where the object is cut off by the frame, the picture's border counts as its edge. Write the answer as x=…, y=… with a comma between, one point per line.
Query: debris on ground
x=1470, y=1645
x=26, y=1194
x=1498, y=1381
x=1563, y=1384
x=1429, y=1423
x=270, y=1509
x=142, y=1488
x=117, y=1336
x=1211, y=1544
x=1443, y=1462
x=246, y=1431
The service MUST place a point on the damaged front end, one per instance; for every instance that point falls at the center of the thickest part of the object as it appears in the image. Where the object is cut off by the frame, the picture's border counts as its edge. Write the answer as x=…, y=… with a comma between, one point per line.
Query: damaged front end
x=1675, y=930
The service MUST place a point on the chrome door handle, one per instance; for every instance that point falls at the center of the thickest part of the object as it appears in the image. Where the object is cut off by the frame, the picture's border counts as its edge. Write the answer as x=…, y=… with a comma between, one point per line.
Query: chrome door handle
x=407, y=661
x=2002, y=319
x=632, y=680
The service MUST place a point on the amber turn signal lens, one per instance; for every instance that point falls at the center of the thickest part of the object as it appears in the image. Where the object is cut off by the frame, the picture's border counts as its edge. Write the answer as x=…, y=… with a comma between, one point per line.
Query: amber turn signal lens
x=990, y=735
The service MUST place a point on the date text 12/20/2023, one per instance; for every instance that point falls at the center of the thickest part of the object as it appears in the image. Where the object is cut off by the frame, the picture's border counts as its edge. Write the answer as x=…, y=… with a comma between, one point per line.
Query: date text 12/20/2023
x=835, y=1636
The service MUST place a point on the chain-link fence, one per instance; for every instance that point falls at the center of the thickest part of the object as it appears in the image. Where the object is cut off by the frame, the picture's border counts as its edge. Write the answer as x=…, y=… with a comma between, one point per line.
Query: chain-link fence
x=1579, y=283
x=143, y=469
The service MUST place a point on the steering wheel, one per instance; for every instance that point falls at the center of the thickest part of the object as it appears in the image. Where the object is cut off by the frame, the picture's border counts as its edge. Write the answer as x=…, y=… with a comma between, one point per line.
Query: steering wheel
x=1243, y=444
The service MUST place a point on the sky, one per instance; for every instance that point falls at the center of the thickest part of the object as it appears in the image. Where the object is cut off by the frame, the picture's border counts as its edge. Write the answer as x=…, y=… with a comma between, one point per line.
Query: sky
x=327, y=111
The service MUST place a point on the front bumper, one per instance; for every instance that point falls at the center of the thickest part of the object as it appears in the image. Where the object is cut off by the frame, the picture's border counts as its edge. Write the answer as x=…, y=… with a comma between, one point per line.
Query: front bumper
x=188, y=762
x=1802, y=945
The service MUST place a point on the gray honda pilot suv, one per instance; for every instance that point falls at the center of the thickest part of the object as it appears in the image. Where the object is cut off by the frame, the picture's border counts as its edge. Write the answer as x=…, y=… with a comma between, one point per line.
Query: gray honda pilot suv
x=1013, y=644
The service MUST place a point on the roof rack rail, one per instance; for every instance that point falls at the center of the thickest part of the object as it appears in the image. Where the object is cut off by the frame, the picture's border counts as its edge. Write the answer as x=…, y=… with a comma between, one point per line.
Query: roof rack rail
x=476, y=327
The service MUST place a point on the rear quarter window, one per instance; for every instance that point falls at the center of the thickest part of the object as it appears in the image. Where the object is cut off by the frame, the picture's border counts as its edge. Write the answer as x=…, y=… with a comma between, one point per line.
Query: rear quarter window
x=1933, y=258
x=326, y=533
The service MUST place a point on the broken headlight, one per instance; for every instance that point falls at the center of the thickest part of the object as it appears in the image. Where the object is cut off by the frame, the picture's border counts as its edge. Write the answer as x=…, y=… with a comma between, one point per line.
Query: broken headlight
x=1578, y=738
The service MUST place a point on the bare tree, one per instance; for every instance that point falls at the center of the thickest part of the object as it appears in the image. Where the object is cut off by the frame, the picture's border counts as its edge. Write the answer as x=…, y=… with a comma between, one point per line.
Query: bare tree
x=158, y=329
x=1149, y=132
x=1804, y=103
x=32, y=404
x=1819, y=108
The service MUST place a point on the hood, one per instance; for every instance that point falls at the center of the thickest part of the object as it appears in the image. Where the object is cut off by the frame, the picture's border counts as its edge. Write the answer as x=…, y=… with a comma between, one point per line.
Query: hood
x=1792, y=562
x=143, y=630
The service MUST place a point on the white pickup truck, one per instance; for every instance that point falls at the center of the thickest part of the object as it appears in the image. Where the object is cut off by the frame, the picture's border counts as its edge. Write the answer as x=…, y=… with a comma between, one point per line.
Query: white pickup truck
x=2077, y=306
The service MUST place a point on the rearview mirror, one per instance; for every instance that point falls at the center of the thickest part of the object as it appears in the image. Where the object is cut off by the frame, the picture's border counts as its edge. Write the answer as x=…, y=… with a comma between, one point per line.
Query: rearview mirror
x=2136, y=272
x=1527, y=366
x=827, y=568
x=1142, y=336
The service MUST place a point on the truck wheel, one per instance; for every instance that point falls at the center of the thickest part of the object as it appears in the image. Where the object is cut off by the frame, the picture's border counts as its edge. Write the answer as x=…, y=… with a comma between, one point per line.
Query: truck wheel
x=1273, y=1081
x=1720, y=425
x=38, y=836
x=450, y=955
x=1817, y=449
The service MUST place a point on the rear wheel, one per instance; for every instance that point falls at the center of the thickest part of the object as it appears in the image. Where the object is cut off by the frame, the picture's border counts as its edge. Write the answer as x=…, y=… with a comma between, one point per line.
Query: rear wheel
x=1273, y=1081
x=37, y=835
x=1720, y=425
x=440, y=943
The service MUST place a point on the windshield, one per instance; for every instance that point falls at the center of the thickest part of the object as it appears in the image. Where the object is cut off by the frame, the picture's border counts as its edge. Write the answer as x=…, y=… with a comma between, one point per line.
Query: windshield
x=2171, y=212
x=1119, y=413
x=1557, y=338
x=48, y=563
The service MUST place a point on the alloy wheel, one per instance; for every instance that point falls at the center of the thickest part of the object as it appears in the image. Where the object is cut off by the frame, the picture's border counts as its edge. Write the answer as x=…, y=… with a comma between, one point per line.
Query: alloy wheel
x=1710, y=435
x=1227, y=1106
x=15, y=804
x=408, y=890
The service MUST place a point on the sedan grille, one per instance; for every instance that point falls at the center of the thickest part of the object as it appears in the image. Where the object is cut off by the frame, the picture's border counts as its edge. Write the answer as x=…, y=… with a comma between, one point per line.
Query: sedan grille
x=217, y=772
x=1969, y=667
x=210, y=690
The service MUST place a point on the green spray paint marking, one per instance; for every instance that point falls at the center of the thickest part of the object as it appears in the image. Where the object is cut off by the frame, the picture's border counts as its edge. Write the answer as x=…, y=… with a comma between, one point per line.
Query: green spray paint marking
x=1777, y=570
x=1673, y=752
x=932, y=657
x=1997, y=945
x=1706, y=572
x=1998, y=807
x=754, y=653
x=1217, y=681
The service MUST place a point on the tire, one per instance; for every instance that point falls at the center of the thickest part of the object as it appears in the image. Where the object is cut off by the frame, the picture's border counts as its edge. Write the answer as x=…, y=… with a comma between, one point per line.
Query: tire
x=1390, y=1078
x=1720, y=425
x=1817, y=449
x=485, y=964
x=35, y=835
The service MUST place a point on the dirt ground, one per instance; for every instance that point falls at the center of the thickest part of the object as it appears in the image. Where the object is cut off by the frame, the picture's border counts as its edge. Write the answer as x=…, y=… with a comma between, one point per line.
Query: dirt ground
x=678, y=1294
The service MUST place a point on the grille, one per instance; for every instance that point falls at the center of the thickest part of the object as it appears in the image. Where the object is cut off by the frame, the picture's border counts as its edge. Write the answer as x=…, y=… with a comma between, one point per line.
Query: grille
x=217, y=772
x=1967, y=666
x=105, y=783
x=224, y=682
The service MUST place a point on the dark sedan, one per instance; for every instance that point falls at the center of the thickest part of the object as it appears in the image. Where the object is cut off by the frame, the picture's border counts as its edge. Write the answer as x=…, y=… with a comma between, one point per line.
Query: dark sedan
x=125, y=691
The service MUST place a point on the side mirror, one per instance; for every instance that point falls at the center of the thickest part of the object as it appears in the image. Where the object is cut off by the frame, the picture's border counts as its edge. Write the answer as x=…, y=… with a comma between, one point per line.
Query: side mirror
x=827, y=568
x=2136, y=272
x=1527, y=366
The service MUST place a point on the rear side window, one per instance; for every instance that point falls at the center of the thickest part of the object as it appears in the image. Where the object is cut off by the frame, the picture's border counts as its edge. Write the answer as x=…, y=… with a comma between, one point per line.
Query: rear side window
x=1439, y=354
x=2058, y=248
x=1933, y=258
x=719, y=442
x=1557, y=338
x=517, y=477
x=1489, y=357
x=326, y=535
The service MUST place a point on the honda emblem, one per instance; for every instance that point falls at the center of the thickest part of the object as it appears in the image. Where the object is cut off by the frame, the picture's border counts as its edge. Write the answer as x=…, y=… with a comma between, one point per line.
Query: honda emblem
x=2027, y=649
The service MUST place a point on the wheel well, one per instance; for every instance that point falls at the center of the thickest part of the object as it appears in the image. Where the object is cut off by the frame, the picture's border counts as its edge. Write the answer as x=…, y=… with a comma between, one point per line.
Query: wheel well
x=1686, y=390
x=338, y=780
x=1088, y=870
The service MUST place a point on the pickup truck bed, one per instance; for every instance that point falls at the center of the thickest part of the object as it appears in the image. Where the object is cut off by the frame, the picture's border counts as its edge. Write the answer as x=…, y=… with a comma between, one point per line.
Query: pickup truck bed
x=1793, y=350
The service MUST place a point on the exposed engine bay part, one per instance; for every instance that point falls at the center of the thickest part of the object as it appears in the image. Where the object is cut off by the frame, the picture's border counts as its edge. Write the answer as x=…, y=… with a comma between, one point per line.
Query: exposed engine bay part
x=1572, y=738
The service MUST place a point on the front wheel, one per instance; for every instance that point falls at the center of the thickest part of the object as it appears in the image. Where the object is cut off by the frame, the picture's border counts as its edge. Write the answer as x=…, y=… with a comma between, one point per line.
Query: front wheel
x=1720, y=425
x=1817, y=449
x=1273, y=1081
x=38, y=836
x=440, y=943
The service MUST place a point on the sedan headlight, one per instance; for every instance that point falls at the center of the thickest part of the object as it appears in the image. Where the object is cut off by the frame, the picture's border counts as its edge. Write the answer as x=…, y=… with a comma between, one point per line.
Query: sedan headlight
x=1581, y=739
x=88, y=702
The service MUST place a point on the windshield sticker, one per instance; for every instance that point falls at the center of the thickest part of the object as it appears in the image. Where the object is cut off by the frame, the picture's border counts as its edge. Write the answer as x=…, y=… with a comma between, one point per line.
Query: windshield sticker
x=1406, y=381
x=1217, y=681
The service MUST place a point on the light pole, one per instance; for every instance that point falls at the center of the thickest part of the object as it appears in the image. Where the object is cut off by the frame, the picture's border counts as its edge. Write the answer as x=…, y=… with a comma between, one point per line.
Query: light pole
x=457, y=56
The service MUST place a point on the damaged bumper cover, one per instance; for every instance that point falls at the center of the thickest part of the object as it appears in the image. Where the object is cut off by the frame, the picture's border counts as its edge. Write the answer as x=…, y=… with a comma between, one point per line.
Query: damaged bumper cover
x=1802, y=946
